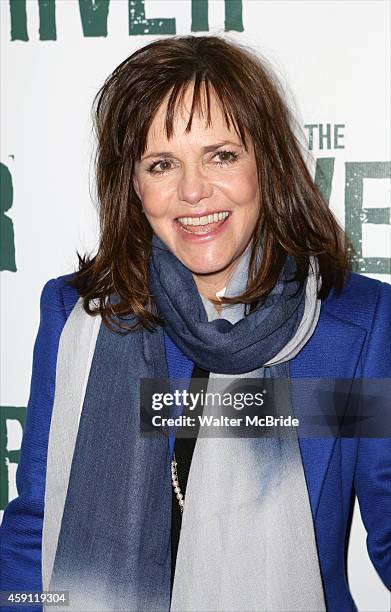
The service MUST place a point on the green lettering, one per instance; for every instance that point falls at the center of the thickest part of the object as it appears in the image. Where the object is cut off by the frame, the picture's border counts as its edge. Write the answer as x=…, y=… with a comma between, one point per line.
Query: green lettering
x=356, y=215
x=338, y=136
x=139, y=25
x=47, y=20
x=94, y=15
x=233, y=15
x=7, y=238
x=310, y=127
x=18, y=20
x=325, y=135
x=199, y=16
x=324, y=173
x=17, y=413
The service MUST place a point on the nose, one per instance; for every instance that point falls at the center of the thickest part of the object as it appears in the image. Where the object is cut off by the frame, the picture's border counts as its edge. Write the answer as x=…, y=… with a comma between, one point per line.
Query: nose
x=193, y=185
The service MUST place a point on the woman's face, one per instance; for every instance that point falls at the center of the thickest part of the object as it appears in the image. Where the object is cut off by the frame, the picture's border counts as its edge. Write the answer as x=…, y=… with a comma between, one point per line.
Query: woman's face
x=199, y=192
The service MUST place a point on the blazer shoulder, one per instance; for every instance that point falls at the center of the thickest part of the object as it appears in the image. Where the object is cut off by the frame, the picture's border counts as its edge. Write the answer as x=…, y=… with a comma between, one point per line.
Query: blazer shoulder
x=57, y=294
x=359, y=300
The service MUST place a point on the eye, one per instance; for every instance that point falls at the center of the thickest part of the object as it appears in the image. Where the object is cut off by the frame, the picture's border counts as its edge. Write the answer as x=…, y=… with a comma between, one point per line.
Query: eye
x=159, y=167
x=226, y=157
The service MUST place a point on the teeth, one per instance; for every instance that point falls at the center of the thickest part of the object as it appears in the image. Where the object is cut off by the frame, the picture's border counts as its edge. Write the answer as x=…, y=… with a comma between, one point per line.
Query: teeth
x=203, y=220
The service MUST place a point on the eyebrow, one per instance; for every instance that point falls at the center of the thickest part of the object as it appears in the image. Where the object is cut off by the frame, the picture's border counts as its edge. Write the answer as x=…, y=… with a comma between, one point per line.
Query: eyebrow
x=205, y=149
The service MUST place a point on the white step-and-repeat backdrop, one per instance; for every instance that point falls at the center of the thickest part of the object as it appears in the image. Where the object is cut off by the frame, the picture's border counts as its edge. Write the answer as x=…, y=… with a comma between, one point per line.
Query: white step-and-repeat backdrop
x=333, y=56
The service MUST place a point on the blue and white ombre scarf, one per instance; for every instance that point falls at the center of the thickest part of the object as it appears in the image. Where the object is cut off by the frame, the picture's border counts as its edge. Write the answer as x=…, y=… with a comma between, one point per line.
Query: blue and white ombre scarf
x=247, y=540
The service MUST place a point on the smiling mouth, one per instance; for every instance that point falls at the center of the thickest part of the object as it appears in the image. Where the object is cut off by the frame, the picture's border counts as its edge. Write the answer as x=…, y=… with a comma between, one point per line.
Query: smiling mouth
x=202, y=225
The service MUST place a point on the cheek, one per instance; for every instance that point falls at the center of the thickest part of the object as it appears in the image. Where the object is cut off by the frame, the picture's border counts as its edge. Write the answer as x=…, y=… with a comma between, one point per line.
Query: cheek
x=248, y=209
x=243, y=187
x=156, y=200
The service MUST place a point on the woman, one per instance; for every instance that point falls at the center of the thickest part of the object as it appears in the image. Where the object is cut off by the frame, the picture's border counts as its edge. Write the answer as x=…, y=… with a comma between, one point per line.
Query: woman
x=217, y=259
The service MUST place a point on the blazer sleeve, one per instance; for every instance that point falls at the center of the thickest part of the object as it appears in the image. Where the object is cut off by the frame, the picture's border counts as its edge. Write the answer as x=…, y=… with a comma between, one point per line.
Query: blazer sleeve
x=373, y=467
x=21, y=528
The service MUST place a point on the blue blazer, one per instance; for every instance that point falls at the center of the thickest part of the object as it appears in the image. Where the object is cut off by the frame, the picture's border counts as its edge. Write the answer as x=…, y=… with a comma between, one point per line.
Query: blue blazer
x=352, y=339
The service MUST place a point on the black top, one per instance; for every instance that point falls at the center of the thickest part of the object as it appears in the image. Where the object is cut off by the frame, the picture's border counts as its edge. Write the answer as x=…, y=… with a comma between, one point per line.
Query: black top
x=184, y=448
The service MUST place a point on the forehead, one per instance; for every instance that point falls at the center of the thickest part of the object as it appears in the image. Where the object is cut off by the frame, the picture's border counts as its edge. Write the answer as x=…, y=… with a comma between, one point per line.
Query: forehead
x=200, y=129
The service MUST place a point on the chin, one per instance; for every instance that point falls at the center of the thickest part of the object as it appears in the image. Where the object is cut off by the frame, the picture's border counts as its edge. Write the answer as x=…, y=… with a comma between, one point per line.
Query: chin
x=203, y=267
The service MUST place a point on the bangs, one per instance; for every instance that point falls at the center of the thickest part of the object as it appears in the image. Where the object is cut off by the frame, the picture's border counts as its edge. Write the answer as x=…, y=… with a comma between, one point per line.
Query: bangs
x=203, y=89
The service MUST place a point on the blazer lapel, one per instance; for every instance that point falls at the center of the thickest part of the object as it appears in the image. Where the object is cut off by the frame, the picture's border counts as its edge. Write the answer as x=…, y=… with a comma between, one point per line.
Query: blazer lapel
x=333, y=351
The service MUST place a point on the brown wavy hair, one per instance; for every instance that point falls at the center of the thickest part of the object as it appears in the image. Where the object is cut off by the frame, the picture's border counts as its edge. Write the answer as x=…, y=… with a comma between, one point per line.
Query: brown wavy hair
x=294, y=219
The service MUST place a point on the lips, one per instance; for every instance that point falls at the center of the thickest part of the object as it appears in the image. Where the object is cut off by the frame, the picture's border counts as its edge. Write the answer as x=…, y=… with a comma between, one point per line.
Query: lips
x=200, y=234
x=195, y=223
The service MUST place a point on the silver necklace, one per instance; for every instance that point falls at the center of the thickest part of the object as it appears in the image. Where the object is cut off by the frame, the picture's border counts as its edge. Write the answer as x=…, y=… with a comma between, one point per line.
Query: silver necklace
x=175, y=484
